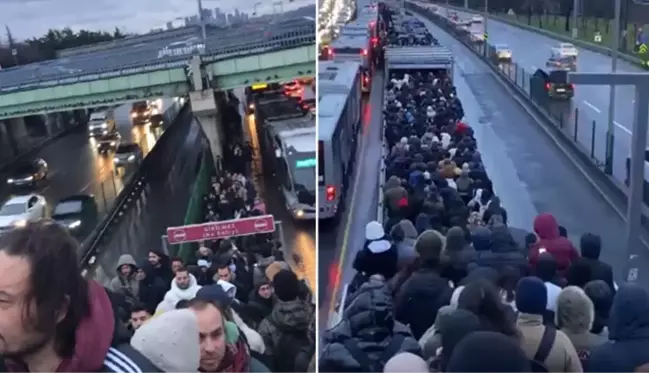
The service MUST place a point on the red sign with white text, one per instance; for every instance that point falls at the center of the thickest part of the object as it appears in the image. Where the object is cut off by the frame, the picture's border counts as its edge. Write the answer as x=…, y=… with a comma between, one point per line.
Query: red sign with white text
x=221, y=229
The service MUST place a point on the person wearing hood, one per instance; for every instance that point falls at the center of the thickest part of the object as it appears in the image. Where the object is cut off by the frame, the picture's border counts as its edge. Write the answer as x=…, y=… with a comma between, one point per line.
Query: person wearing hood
x=161, y=266
x=125, y=282
x=183, y=286
x=170, y=341
x=404, y=234
x=590, y=245
x=151, y=288
x=286, y=330
x=483, y=298
x=426, y=289
x=485, y=351
x=368, y=327
x=531, y=302
x=457, y=256
x=628, y=347
x=602, y=297
x=575, y=315
x=547, y=229
x=378, y=256
x=494, y=208
x=431, y=341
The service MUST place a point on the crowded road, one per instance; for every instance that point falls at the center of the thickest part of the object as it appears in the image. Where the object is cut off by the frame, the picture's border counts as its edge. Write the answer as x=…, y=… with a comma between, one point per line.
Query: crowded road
x=299, y=236
x=75, y=166
x=531, y=177
x=531, y=51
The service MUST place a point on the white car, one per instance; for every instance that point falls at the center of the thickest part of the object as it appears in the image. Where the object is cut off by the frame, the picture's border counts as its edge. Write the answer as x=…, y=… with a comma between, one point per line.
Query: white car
x=503, y=52
x=565, y=50
x=19, y=210
x=477, y=37
x=477, y=19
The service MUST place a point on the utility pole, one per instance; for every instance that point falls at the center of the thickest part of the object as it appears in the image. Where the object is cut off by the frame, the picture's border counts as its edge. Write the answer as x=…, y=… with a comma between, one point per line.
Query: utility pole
x=639, y=133
x=575, y=10
x=201, y=19
x=610, y=132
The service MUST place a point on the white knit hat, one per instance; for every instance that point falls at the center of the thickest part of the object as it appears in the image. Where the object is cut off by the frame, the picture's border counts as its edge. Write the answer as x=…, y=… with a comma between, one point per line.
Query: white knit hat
x=170, y=341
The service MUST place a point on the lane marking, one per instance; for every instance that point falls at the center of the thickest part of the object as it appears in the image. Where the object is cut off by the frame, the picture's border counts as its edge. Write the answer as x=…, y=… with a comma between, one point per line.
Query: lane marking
x=592, y=107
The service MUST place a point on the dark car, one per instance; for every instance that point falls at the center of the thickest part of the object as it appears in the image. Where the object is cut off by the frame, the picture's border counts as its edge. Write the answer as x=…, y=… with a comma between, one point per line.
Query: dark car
x=140, y=112
x=28, y=173
x=77, y=213
x=562, y=63
x=552, y=84
x=108, y=142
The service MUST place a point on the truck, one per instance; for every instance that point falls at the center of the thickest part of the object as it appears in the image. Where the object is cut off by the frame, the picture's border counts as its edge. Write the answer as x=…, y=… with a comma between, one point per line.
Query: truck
x=287, y=137
x=101, y=122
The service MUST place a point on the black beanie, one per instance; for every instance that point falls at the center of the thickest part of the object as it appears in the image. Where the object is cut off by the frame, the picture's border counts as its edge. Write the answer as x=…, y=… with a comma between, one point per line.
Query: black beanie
x=286, y=285
x=488, y=352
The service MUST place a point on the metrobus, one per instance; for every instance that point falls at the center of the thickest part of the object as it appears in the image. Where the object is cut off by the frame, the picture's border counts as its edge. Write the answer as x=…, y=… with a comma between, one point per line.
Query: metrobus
x=339, y=116
x=355, y=49
x=287, y=138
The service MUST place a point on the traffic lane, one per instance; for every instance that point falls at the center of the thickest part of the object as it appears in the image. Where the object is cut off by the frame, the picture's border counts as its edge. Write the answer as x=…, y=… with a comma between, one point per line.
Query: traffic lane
x=532, y=50
x=529, y=173
x=362, y=199
x=298, y=236
x=162, y=204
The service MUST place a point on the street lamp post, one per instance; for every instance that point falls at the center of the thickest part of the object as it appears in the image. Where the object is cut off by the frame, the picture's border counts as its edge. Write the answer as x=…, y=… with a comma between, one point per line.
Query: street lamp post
x=201, y=19
x=610, y=132
x=638, y=145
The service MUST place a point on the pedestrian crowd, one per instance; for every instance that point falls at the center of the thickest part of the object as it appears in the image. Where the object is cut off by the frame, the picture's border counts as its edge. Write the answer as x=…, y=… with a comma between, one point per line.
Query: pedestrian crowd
x=442, y=283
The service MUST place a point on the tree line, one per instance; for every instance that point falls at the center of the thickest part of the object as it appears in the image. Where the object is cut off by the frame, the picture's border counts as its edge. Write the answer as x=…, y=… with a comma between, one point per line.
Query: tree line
x=13, y=52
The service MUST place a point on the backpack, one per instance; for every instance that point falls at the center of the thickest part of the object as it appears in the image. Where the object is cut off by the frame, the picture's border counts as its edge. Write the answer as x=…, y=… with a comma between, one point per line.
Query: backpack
x=368, y=365
x=547, y=341
x=293, y=351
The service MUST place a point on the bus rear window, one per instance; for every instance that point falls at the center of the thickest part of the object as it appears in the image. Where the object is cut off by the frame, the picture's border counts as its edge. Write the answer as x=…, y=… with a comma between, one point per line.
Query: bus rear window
x=321, y=163
x=347, y=51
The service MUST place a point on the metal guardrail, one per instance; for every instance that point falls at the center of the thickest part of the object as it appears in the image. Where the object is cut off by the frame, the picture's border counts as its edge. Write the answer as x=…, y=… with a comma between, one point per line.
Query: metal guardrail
x=90, y=246
x=291, y=38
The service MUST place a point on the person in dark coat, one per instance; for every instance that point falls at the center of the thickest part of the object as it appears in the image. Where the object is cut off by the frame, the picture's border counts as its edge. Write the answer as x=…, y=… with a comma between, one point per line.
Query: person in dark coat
x=496, y=249
x=379, y=255
x=152, y=288
x=260, y=303
x=602, y=297
x=426, y=289
x=485, y=351
x=161, y=265
x=458, y=254
x=591, y=247
x=368, y=327
x=628, y=347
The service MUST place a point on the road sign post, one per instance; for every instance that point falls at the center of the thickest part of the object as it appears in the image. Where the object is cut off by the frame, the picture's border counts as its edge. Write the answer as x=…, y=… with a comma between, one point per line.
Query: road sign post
x=222, y=230
x=638, y=145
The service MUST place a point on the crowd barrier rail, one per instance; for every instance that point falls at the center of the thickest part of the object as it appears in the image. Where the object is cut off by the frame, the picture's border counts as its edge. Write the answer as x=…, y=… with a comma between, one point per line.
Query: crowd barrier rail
x=89, y=248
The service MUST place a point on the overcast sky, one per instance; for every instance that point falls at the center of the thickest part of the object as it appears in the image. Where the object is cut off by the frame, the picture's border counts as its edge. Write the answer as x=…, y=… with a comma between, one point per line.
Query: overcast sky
x=29, y=18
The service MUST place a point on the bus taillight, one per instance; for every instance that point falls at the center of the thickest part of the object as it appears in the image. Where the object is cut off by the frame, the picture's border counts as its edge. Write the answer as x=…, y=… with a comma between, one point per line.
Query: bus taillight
x=331, y=193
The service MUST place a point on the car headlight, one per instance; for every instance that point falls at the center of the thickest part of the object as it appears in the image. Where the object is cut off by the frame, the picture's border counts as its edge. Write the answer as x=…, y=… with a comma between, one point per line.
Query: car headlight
x=299, y=213
x=10, y=181
x=104, y=125
x=29, y=178
x=74, y=224
x=115, y=160
x=112, y=143
x=20, y=223
x=131, y=158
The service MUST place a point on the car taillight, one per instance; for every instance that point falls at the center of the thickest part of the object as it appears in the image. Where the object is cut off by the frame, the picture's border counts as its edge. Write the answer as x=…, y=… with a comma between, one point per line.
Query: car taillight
x=548, y=86
x=572, y=86
x=331, y=193
x=364, y=52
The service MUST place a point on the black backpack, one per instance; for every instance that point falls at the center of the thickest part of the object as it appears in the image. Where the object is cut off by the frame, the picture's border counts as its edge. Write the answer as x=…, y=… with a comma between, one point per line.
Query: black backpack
x=547, y=341
x=377, y=365
x=293, y=352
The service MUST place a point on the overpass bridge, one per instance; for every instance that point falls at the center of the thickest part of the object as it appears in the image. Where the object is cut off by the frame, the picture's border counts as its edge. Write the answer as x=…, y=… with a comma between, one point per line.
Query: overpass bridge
x=230, y=58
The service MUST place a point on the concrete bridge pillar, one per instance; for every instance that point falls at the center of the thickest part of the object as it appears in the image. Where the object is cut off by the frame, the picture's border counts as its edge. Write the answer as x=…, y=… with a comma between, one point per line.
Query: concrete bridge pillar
x=207, y=111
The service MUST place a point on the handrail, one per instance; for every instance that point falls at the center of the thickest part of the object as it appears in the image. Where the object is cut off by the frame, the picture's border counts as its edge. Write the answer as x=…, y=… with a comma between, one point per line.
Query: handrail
x=89, y=247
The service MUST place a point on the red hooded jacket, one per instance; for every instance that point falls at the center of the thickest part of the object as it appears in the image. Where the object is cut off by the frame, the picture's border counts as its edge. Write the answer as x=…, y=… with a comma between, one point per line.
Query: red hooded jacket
x=547, y=230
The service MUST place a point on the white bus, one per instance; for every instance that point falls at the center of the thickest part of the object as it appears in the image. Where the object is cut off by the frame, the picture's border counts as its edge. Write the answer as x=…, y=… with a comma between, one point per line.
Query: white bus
x=339, y=116
x=357, y=49
x=288, y=139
